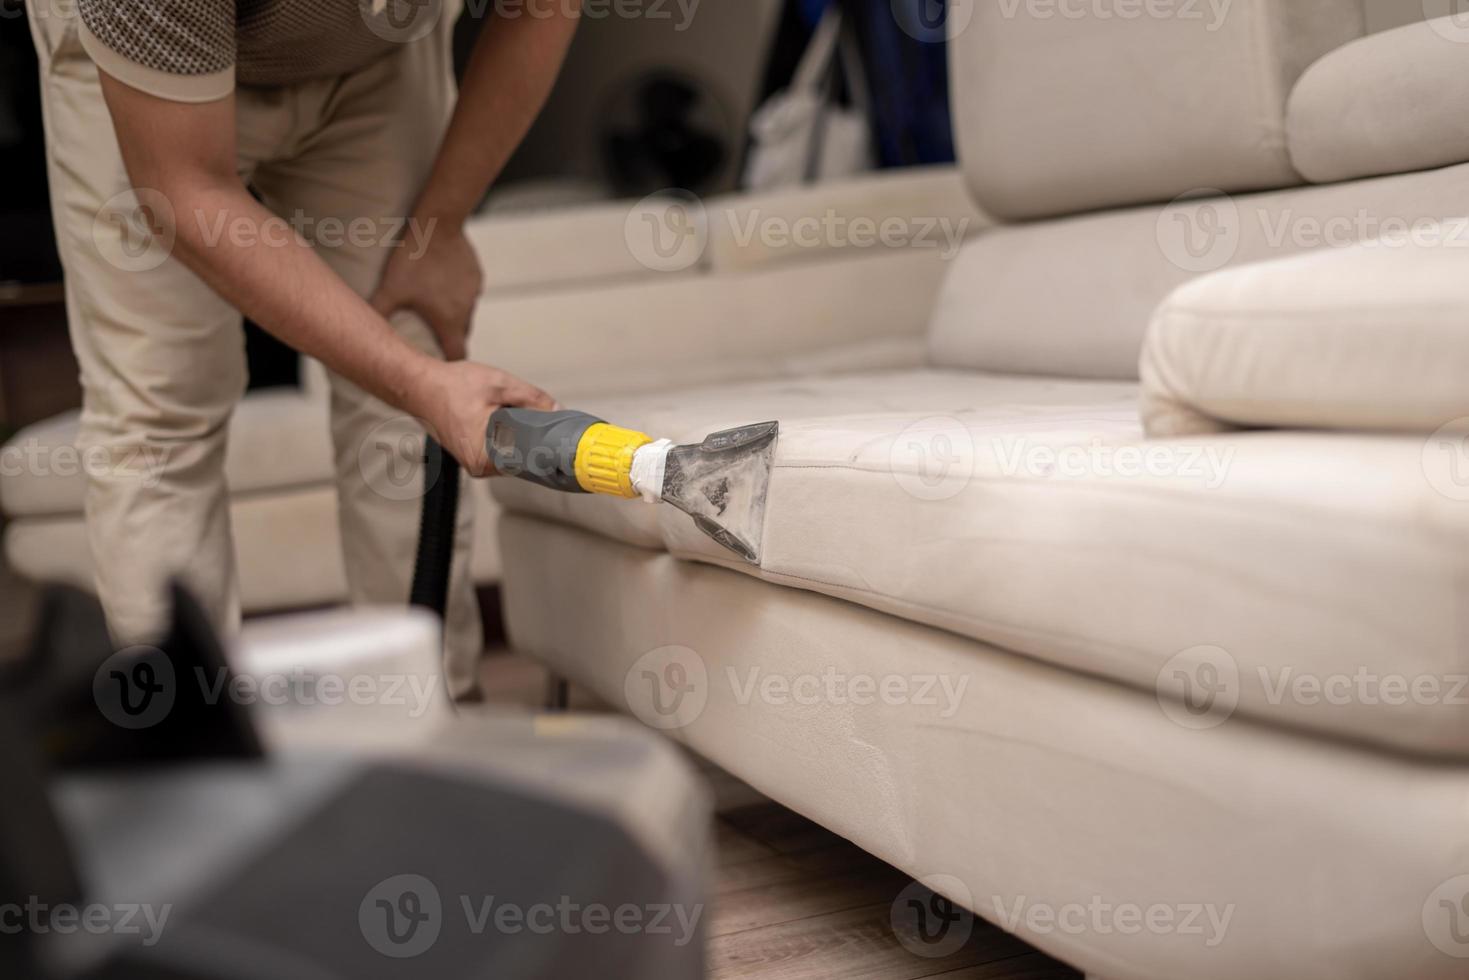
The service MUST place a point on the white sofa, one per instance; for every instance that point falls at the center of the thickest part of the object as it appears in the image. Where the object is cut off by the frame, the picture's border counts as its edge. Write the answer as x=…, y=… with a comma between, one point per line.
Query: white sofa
x=538, y=268
x=1135, y=604
x=1165, y=669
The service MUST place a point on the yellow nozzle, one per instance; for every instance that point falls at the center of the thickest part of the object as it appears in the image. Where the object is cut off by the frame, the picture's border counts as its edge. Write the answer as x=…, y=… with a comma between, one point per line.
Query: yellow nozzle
x=604, y=459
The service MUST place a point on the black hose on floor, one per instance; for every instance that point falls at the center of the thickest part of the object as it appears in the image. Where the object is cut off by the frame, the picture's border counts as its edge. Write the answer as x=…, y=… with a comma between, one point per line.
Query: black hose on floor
x=436, y=529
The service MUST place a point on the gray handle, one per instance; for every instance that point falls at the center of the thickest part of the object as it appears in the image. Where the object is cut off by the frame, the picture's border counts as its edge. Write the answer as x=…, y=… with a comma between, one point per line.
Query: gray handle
x=538, y=446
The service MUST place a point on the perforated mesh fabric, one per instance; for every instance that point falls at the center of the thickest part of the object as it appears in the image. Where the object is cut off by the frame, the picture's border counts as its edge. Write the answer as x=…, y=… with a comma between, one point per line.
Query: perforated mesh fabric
x=269, y=42
x=180, y=37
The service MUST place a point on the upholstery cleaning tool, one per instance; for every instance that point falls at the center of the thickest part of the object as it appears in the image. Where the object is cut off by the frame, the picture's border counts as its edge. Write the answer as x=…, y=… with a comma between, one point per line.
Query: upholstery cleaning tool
x=720, y=482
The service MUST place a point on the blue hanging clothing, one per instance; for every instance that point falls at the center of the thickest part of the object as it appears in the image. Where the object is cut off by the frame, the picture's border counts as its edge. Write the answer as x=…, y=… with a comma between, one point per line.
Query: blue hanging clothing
x=905, y=56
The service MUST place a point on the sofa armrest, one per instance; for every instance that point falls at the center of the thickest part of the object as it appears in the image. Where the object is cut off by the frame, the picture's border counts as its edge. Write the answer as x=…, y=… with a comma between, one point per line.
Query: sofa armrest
x=838, y=276
x=912, y=209
x=1384, y=104
x=542, y=250
x=862, y=312
x=1374, y=337
x=915, y=208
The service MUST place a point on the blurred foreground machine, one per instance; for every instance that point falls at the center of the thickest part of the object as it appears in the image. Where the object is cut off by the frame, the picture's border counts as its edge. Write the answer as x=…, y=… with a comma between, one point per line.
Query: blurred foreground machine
x=150, y=832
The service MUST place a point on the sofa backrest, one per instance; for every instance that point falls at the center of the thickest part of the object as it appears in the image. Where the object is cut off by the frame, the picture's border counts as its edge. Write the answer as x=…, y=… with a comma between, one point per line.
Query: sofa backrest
x=1064, y=106
x=1128, y=146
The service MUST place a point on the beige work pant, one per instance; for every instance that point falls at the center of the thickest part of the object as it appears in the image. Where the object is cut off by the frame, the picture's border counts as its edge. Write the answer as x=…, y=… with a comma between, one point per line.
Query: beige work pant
x=162, y=356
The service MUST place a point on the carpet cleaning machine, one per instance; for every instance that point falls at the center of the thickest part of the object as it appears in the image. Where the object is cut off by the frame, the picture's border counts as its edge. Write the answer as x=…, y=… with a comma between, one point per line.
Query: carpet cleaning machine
x=721, y=482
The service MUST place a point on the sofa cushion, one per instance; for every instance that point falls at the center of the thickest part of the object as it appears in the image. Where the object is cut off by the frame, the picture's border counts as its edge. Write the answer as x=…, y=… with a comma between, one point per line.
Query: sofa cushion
x=812, y=403
x=1030, y=513
x=1068, y=107
x=277, y=440
x=1370, y=338
x=1073, y=297
x=1385, y=104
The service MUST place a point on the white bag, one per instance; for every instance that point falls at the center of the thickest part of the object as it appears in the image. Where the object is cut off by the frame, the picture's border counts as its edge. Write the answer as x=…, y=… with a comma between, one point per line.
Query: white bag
x=799, y=135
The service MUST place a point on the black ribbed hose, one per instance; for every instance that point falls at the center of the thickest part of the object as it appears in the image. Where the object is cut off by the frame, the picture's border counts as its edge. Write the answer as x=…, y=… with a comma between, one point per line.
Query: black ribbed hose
x=436, y=529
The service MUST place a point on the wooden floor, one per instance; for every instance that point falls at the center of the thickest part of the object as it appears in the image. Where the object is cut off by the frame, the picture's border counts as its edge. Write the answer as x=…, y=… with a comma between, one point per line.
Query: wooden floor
x=793, y=901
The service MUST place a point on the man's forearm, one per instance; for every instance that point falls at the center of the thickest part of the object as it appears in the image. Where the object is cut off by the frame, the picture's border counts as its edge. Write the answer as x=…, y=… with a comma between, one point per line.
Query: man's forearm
x=186, y=153
x=278, y=280
x=510, y=74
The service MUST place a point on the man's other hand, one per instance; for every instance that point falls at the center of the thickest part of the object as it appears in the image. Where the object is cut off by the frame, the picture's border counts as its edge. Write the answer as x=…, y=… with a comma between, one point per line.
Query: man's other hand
x=438, y=279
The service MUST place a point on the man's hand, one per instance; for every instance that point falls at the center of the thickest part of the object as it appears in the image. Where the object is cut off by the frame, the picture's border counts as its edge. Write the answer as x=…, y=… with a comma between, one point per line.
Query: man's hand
x=462, y=396
x=440, y=282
